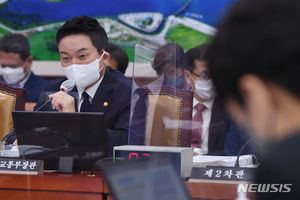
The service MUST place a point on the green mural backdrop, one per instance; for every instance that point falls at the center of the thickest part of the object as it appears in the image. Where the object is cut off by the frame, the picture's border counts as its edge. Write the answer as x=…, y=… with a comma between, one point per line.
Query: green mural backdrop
x=189, y=22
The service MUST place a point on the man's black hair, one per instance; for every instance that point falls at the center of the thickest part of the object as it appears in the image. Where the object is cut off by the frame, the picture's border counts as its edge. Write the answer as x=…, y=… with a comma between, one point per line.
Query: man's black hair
x=15, y=43
x=119, y=55
x=258, y=37
x=180, y=56
x=87, y=26
x=196, y=53
x=177, y=58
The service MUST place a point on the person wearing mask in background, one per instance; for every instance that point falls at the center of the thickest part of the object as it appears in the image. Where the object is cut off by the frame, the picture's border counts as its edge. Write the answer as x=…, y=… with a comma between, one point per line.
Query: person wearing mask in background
x=16, y=61
x=118, y=58
x=210, y=123
x=169, y=61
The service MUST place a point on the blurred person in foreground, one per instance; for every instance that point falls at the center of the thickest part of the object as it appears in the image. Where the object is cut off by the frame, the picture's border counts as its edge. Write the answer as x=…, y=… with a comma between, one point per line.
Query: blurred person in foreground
x=16, y=61
x=255, y=64
x=81, y=42
x=210, y=122
x=118, y=58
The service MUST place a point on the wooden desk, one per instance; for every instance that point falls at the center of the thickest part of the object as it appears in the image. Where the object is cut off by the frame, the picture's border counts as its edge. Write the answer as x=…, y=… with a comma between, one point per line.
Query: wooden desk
x=80, y=186
x=52, y=186
x=205, y=191
x=214, y=191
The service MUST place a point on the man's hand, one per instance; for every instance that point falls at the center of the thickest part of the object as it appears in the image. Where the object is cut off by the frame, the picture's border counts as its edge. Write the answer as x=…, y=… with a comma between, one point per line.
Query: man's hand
x=62, y=102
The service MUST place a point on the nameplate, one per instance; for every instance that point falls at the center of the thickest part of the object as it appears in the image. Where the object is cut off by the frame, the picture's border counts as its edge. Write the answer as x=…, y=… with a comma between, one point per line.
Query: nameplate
x=21, y=166
x=222, y=174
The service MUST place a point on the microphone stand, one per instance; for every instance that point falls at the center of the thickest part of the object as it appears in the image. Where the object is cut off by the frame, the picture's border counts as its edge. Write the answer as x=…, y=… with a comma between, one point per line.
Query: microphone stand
x=6, y=136
x=237, y=164
x=66, y=86
x=43, y=105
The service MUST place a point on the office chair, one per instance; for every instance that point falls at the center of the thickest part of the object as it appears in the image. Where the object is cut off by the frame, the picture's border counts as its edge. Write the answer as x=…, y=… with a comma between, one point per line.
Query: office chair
x=10, y=99
x=170, y=116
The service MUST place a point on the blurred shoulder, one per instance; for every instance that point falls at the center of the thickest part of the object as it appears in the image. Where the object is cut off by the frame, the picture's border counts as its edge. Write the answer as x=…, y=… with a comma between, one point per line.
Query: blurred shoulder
x=120, y=78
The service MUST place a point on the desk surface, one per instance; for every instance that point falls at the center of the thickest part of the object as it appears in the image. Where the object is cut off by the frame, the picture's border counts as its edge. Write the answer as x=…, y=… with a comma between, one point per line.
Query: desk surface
x=81, y=186
x=52, y=186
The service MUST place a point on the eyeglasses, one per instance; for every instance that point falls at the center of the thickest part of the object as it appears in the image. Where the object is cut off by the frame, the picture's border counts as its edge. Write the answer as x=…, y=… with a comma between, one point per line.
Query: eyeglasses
x=203, y=77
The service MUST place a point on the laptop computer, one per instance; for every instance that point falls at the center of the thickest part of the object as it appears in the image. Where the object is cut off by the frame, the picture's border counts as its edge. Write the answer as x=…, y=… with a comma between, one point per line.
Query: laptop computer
x=49, y=136
x=144, y=179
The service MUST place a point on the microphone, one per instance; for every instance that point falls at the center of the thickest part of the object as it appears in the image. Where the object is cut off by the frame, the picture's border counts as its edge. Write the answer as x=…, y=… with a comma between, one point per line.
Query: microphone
x=66, y=86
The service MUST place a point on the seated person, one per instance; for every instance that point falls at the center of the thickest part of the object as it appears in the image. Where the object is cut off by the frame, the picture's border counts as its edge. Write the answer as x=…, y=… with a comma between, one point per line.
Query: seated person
x=118, y=58
x=81, y=42
x=168, y=61
x=211, y=123
x=16, y=62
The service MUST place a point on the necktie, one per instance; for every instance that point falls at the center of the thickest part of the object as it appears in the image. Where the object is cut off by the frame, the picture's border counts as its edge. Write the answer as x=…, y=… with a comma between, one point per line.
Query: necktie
x=85, y=106
x=138, y=121
x=197, y=126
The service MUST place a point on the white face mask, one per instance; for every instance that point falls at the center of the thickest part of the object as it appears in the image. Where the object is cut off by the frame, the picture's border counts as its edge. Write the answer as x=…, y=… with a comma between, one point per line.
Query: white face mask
x=84, y=75
x=13, y=75
x=204, y=89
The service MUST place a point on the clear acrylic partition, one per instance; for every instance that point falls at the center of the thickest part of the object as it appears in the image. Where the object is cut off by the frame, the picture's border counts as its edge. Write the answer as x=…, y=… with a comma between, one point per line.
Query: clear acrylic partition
x=161, y=117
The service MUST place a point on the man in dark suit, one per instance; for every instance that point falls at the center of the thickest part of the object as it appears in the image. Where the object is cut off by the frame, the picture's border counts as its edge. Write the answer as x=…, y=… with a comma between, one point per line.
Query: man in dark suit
x=16, y=62
x=236, y=139
x=255, y=64
x=210, y=121
x=81, y=42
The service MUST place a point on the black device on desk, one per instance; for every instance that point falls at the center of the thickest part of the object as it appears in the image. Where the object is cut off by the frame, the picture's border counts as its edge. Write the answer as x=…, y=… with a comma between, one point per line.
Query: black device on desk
x=66, y=137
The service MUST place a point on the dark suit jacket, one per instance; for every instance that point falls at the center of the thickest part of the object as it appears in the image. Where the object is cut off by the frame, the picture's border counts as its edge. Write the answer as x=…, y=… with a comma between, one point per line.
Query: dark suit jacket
x=139, y=117
x=115, y=89
x=235, y=140
x=280, y=165
x=34, y=87
x=218, y=128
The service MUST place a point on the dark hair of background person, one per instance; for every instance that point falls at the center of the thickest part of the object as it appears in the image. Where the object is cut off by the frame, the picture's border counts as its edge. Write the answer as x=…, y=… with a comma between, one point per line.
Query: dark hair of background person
x=119, y=55
x=15, y=43
x=196, y=53
x=260, y=37
x=177, y=57
x=87, y=26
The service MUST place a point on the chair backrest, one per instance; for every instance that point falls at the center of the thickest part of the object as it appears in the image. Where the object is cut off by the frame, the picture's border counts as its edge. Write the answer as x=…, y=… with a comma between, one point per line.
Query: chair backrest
x=10, y=99
x=169, y=110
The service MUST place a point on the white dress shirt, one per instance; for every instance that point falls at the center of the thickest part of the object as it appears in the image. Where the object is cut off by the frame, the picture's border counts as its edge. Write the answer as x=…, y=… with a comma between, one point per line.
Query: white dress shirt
x=90, y=91
x=22, y=83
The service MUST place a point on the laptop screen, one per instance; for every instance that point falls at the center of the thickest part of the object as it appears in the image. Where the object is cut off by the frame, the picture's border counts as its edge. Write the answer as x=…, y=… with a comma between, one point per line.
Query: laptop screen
x=81, y=136
x=144, y=180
